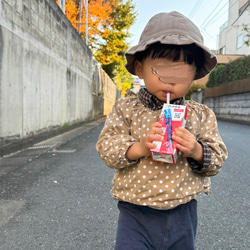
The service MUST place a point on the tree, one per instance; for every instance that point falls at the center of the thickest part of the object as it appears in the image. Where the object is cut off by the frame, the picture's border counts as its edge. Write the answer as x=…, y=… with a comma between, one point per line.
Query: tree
x=122, y=78
x=109, y=22
x=247, y=30
x=99, y=13
x=111, y=51
x=114, y=37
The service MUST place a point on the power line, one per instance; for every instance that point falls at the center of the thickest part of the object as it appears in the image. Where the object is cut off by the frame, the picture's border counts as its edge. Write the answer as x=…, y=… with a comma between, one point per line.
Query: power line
x=211, y=17
x=195, y=8
x=211, y=38
x=213, y=21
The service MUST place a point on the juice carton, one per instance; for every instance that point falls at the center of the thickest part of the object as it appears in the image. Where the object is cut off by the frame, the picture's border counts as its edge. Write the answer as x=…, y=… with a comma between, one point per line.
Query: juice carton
x=171, y=117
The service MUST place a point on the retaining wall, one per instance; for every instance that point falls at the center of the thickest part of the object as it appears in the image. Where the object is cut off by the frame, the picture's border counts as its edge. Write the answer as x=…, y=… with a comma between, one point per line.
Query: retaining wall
x=49, y=80
x=230, y=102
x=232, y=108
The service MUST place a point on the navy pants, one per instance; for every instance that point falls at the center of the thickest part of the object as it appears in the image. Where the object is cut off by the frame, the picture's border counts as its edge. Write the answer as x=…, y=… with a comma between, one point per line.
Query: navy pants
x=141, y=228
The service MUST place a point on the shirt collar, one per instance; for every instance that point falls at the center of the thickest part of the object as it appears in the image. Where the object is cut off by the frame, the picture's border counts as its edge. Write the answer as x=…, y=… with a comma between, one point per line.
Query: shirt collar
x=152, y=102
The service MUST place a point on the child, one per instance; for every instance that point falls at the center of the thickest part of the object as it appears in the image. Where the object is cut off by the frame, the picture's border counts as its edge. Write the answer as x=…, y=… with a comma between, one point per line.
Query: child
x=157, y=200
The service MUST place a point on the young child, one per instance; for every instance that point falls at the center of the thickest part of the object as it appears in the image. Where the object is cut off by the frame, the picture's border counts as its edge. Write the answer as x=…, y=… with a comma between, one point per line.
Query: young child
x=157, y=200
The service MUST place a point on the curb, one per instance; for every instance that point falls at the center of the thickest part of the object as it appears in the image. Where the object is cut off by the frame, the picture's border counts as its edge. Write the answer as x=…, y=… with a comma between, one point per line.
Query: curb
x=45, y=135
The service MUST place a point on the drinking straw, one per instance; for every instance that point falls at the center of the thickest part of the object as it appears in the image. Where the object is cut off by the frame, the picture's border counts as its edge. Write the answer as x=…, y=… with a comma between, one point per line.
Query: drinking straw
x=168, y=98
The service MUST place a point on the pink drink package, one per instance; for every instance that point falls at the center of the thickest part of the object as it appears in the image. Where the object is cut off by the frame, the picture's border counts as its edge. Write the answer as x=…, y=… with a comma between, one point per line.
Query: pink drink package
x=171, y=117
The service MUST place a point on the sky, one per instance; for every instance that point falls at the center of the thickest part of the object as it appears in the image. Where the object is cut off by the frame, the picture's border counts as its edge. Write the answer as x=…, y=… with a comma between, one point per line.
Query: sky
x=209, y=16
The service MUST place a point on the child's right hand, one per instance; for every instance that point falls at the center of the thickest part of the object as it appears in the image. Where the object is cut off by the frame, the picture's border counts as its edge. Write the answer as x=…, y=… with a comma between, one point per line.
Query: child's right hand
x=142, y=148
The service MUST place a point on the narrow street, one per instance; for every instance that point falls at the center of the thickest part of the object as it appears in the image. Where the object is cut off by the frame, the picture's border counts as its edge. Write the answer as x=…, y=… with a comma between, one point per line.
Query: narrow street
x=55, y=195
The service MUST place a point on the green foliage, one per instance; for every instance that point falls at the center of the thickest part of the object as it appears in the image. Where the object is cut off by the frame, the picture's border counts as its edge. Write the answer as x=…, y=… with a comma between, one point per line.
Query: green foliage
x=66, y=124
x=218, y=74
x=237, y=70
x=193, y=88
x=247, y=35
x=215, y=77
x=109, y=69
x=113, y=40
x=111, y=52
x=122, y=78
x=109, y=22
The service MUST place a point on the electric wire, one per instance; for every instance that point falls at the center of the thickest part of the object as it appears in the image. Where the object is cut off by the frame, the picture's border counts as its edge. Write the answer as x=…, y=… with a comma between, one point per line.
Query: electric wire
x=212, y=17
x=195, y=8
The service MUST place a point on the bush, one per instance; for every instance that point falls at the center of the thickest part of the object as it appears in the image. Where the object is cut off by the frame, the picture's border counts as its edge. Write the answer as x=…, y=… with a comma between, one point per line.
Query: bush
x=236, y=70
x=193, y=88
x=218, y=75
x=211, y=79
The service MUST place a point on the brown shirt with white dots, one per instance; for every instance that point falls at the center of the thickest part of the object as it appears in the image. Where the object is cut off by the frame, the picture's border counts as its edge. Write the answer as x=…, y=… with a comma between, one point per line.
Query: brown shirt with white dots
x=150, y=183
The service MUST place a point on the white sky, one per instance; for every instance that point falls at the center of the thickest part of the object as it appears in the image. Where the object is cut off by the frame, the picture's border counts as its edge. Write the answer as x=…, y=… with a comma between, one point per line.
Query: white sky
x=209, y=16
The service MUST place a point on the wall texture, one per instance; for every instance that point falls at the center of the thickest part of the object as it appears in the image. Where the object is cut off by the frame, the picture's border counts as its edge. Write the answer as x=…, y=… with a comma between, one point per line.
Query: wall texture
x=230, y=102
x=48, y=77
x=232, y=108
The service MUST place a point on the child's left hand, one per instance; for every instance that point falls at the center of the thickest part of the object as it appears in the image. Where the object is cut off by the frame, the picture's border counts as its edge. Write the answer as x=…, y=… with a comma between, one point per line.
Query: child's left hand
x=187, y=144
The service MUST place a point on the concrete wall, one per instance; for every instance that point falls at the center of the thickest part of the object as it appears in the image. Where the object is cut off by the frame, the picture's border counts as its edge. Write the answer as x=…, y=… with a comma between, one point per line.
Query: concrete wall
x=48, y=77
x=226, y=103
x=198, y=96
x=232, y=108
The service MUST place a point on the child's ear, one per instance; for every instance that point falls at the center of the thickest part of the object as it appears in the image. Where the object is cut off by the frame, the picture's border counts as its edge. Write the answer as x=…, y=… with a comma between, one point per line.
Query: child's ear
x=138, y=69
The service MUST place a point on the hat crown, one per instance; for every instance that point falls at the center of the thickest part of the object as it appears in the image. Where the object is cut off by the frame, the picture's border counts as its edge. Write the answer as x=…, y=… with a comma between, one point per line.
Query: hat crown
x=170, y=24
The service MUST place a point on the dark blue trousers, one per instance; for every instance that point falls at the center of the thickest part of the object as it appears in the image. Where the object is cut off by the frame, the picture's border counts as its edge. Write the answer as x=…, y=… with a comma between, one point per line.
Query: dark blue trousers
x=141, y=228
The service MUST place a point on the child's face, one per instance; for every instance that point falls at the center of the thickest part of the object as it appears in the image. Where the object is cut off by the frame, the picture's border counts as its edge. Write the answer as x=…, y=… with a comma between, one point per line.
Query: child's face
x=162, y=76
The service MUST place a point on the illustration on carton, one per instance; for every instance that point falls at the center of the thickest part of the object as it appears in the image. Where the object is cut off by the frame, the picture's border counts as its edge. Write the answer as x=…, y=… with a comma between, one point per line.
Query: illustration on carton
x=171, y=117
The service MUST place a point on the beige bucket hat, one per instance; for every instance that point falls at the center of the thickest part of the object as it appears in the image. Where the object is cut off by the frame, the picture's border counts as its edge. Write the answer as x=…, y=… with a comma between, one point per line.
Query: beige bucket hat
x=171, y=28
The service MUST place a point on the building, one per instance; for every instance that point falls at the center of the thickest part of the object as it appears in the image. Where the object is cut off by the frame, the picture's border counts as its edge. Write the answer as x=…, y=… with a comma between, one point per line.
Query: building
x=137, y=85
x=232, y=36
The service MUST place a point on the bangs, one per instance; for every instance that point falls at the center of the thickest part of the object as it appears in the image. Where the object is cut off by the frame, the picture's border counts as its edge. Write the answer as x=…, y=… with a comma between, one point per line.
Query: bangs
x=171, y=52
x=190, y=53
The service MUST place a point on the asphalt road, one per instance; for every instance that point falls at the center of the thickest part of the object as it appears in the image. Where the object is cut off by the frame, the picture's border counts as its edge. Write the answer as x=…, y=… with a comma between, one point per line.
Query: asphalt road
x=55, y=195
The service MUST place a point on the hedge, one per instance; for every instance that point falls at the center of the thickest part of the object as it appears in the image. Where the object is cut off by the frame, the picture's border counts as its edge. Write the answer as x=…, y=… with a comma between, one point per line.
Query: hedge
x=237, y=70
x=193, y=88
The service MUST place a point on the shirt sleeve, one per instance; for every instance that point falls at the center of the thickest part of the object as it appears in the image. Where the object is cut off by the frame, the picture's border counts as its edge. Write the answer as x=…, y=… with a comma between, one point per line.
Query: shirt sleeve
x=115, y=138
x=214, y=150
x=196, y=166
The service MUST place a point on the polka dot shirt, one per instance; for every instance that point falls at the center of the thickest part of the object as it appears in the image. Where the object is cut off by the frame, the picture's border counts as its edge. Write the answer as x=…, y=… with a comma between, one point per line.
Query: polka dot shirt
x=150, y=183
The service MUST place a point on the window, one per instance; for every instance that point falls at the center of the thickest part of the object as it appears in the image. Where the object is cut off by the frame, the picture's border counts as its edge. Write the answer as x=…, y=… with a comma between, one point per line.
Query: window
x=240, y=41
x=223, y=50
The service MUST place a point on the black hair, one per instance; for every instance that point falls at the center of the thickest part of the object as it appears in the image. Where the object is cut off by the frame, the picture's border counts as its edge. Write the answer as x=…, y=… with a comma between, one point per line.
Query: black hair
x=191, y=52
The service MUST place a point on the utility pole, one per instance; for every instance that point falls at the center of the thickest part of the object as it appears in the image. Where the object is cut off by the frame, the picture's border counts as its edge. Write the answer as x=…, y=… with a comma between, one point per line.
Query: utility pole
x=86, y=25
x=80, y=16
x=86, y=21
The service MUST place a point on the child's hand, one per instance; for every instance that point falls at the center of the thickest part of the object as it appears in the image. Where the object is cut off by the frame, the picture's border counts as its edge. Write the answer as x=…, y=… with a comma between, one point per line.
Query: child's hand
x=187, y=144
x=142, y=148
x=155, y=134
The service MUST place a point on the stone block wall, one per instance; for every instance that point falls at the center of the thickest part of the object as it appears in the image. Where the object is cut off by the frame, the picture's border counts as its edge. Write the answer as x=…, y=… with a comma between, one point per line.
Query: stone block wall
x=230, y=102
